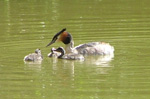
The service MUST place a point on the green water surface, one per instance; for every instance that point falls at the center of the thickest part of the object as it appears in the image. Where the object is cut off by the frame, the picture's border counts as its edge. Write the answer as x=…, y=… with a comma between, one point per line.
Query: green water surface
x=29, y=24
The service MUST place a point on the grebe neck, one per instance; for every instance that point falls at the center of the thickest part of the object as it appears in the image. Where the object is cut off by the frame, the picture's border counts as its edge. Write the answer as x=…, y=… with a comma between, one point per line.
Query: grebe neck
x=70, y=48
x=62, y=53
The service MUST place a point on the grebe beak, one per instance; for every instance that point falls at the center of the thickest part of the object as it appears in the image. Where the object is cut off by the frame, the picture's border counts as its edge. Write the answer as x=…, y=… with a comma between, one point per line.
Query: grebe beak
x=56, y=37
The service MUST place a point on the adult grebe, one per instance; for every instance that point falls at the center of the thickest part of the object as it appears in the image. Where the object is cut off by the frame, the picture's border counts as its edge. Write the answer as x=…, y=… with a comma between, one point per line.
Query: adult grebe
x=34, y=56
x=92, y=48
x=70, y=56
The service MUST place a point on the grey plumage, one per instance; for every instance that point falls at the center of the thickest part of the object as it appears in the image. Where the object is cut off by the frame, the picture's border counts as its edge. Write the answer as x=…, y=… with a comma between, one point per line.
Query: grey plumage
x=34, y=56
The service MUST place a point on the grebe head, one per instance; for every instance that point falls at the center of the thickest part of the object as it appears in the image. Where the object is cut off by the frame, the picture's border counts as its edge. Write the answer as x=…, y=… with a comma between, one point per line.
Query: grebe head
x=63, y=36
x=61, y=50
x=53, y=53
x=38, y=51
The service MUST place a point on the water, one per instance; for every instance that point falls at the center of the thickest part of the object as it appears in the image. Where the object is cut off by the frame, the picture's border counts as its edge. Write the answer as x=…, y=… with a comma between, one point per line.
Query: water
x=27, y=25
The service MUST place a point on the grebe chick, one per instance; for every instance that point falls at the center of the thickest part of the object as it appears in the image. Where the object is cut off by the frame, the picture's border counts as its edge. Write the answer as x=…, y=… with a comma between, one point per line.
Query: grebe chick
x=53, y=53
x=92, y=48
x=34, y=56
x=71, y=56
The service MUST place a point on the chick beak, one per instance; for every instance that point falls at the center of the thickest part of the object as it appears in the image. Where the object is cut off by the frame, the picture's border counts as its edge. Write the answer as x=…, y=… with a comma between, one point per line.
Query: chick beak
x=56, y=37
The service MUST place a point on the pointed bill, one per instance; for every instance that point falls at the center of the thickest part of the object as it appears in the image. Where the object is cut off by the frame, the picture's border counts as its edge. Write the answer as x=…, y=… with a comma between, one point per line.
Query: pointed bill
x=56, y=37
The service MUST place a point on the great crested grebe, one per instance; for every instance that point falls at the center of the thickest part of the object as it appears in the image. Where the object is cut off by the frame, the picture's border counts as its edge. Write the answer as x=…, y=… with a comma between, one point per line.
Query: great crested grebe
x=92, y=48
x=70, y=56
x=34, y=56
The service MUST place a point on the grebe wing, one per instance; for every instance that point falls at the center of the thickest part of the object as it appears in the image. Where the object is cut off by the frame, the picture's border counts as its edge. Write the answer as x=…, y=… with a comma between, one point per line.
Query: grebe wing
x=30, y=57
x=95, y=48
